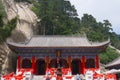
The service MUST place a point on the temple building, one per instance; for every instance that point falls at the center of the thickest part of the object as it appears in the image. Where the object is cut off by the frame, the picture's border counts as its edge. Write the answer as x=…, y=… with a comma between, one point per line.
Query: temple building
x=114, y=67
x=42, y=52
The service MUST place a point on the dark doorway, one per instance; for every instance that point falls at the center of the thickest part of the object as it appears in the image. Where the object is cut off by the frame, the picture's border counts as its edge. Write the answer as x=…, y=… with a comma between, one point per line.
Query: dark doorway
x=26, y=63
x=40, y=67
x=53, y=63
x=76, y=66
x=90, y=63
x=63, y=63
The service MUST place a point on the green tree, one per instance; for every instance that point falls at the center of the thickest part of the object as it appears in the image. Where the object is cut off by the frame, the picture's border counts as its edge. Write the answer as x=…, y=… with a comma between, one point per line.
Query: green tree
x=1, y=20
x=108, y=56
x=5, y=30
x=57, y=17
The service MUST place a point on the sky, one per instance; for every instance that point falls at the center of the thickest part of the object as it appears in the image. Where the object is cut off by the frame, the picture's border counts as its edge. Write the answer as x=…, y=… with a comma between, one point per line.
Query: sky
x=101, y=10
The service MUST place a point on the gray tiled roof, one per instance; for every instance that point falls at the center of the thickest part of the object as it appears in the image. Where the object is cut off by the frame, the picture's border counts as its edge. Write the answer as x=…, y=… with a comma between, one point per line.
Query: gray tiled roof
x=58, y=41
x=114, y=62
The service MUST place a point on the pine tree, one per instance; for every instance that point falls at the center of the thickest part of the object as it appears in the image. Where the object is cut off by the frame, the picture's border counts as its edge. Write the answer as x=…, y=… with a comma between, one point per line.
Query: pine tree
x=58, y=17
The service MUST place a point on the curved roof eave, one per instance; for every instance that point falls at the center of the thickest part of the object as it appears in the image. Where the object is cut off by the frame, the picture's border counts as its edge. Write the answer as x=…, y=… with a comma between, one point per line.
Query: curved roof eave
x=58, y=41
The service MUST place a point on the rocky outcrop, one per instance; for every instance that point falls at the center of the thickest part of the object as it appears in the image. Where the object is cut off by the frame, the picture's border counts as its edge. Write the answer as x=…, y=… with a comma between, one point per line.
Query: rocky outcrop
x=4, y=51
x=26, y=17
x=23, y=31
x=6, y=58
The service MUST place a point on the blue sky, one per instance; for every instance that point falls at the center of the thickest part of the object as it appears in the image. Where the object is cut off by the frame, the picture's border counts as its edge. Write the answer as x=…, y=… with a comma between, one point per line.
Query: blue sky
x=101, y=10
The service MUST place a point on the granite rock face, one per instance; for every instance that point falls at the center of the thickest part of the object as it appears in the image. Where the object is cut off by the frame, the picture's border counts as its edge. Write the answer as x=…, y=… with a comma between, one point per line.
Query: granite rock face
x=7, y=59
x=23, y=31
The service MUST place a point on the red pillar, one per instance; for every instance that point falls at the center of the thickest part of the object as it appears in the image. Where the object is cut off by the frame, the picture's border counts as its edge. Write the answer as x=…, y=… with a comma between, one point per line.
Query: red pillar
x=18, y=62
x=97, y=62
x=69, y=61
x=80, y=66
x=83, y=64
x=47, y=62
x=33, y=64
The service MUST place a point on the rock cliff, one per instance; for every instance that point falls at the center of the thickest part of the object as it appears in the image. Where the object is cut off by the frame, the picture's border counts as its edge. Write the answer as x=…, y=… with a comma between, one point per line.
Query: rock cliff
x=23, y=31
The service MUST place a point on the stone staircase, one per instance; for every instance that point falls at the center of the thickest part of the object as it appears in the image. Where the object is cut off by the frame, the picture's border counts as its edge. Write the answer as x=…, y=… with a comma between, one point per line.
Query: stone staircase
x=40, y=77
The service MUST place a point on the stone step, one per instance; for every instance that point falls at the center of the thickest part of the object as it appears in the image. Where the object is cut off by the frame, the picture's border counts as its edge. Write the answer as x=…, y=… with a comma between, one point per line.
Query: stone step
x=40, y=77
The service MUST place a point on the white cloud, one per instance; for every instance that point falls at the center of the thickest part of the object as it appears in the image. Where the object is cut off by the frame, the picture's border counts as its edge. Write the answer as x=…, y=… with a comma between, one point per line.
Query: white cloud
x=101, y=10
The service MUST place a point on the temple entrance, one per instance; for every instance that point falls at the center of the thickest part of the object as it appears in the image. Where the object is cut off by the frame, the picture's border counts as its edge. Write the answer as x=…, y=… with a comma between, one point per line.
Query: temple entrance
x=40, y=67
x=53, y=63
x=63, y=63
x=26, y=63
x=76, y=66
x=90, y=63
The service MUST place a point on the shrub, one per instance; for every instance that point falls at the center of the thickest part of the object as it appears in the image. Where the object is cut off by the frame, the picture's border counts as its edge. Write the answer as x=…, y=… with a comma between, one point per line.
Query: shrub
x=108, y=56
